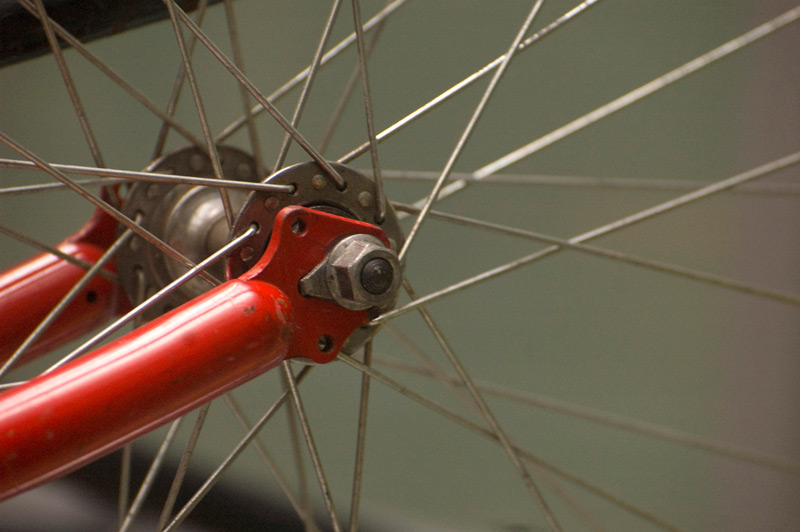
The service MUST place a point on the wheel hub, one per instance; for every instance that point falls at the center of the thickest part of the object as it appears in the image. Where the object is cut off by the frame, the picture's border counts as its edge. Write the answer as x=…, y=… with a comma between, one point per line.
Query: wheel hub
x=360, y=273
x=313, y=190
x=189, y=218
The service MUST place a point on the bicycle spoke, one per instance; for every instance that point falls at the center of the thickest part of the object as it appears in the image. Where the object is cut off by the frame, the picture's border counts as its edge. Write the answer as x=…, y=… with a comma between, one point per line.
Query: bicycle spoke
x=301, y=510
x=632, y=97
x=611, y=183
x=309, y=82
x=312, y=447
x=358, y=469
x=177, y=87
x=130, y=175
x=238, y=59
x=434, y=370
x=183, y=465
x=201, y=114
x=486, y=433
x=485, y=412
x=627, y=258
x=338, y=109
x=628, y=221
x=46, y=187
x=456, y=386
x=232, y=456
x=67, y=77
x=468, y=81
x=54, y=251
x=124, y=482
x=149, y=302
x=105, y=207
x=113, y=76
x=300, y=77
x=462, y=141
x=150, y=477
x=259, y=97
x=56, y=311
x=380, y=200
x=608, y=419
x=297, y=453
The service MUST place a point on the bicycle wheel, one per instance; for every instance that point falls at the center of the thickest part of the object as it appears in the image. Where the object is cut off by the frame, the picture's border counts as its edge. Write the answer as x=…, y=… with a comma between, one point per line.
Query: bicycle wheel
x=642, y=372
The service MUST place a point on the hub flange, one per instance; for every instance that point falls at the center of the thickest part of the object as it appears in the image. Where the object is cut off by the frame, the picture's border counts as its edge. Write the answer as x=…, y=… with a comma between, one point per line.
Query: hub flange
x=189, y=218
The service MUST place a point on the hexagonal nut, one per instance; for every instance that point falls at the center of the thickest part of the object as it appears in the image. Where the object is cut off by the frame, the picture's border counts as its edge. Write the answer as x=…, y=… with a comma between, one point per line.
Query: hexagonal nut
x=362, y=272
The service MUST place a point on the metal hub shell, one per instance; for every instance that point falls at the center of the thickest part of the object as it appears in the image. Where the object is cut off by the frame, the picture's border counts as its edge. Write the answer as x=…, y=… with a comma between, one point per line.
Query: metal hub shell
x=189, y=218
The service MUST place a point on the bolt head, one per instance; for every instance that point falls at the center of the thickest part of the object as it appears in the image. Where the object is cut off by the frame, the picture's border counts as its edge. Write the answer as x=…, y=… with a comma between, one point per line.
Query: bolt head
x=377, y=275
x=362, y=272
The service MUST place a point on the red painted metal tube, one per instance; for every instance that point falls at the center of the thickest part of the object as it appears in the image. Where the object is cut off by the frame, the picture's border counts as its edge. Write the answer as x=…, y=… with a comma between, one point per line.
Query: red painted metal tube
x=31, y=289
x=92, y=405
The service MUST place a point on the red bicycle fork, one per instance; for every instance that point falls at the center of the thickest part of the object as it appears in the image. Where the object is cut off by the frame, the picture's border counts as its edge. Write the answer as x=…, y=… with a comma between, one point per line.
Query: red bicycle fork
x=92, y=405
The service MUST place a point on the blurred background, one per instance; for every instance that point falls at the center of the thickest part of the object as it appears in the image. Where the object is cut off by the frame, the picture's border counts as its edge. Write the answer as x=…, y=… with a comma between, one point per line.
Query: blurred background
x=573, y=327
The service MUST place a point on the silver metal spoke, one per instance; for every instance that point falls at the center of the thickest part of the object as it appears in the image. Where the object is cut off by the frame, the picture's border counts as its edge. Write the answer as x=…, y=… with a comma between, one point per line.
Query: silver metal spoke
x=358, y=469
x=232, y=456
x=608, y=419
x=312, y=447
x=628, y=221
x=380, y=199
x=105, y=207
x=124, y=482
x=149, y=302
x=113, y=76
x=56, y=311
x=526, y=455
x=259, y=97
x=130, y=175
x=632, y=97
x=434, y=370
x=91, y=141
x=297, y=452
x=300, y=77
x=201, y=114
x=456, y=386
x=309, y=82
x=54, y=251
x=183, y=466
x=673, y=269
x=468, y=81
x=150, y=477
x=465, y=135
x=302, y=511
x=238, y=59
x=177, y=86
x=47, y=187
x=486, y=412
x=338, y=109
x=611, y=183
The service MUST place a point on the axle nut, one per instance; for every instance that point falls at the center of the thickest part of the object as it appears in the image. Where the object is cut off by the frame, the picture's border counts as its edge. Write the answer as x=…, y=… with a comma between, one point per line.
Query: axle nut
x=361, y=273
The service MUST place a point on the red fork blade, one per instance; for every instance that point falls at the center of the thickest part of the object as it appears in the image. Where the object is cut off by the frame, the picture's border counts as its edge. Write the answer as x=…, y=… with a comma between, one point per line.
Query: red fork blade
x=92, y=405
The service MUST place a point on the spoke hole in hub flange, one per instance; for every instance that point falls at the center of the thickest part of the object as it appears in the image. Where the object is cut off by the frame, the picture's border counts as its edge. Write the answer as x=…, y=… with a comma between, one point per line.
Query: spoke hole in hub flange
x=189, y=218
x=312, y=192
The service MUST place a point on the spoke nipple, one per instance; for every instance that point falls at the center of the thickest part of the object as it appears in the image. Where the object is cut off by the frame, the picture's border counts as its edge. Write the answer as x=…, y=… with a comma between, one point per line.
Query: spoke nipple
x=197, y=162
x=247, y=253
x=271, y=203
x=365, y=199
x=243, y=171
x=318, y=182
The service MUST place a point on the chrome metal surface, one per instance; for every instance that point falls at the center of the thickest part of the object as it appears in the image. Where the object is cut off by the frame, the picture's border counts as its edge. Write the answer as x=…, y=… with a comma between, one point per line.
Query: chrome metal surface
x=188, y=217
x=359, y=273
